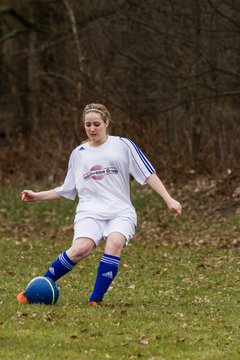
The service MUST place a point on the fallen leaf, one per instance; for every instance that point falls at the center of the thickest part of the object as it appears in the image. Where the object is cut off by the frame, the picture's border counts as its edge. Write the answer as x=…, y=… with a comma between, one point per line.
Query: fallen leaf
x=143, y=340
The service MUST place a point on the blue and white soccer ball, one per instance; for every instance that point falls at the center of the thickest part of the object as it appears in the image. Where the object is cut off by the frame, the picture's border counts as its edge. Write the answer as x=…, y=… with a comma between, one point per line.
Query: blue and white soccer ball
x=42, y=290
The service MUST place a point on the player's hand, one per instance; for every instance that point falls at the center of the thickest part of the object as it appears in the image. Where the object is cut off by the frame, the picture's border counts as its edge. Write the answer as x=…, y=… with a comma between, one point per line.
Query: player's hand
x=175, y=207
x=29, y=195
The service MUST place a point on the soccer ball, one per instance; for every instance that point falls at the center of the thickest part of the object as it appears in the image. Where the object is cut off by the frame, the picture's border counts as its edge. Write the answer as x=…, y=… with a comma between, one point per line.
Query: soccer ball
x=42, y=290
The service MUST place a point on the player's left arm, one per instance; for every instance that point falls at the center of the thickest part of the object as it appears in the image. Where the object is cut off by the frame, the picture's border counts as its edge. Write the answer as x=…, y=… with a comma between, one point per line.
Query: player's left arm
x=156, y=184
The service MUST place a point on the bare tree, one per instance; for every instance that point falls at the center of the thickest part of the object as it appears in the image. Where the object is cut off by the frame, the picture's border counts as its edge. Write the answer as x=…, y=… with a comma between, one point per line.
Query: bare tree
x=171, y=68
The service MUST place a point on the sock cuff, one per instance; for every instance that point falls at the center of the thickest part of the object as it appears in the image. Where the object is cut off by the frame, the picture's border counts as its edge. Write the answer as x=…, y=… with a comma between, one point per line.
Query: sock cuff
x=66, y=261
x=110, y=259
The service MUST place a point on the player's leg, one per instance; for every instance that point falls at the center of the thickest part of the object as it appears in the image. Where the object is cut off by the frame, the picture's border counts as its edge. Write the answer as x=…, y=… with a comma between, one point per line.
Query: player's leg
x=114, y=244
x=66, y=261
x=108, y=267
x=117, y=233
x=87, y=234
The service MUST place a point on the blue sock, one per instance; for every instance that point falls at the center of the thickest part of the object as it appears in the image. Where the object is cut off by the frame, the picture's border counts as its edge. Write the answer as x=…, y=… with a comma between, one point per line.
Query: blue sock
x=107, y=271
x=61, y=266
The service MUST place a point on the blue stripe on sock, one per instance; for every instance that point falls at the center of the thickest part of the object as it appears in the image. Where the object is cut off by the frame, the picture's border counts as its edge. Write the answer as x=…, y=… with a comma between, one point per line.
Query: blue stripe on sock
x=64, y=263
x=68, y=263
x=110, y=259
x=110, y=262
x=112, y=256
x=68, y=259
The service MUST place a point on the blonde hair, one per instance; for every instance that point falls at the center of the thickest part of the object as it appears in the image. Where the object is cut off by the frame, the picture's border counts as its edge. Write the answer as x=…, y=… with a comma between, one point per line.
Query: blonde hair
x=99, y=108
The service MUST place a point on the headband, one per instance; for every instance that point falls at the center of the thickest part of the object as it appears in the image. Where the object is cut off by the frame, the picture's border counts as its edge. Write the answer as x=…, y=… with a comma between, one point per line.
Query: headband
x=96, y=110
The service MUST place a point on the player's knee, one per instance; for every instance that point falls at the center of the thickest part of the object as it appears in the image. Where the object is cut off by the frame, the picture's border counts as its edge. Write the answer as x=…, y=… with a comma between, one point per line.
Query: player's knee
x=115, y=245
x=79, y=251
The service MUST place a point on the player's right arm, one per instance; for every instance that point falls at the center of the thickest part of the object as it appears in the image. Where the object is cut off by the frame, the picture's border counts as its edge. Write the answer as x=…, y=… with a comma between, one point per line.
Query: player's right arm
x=66, y=190
x=29, y=195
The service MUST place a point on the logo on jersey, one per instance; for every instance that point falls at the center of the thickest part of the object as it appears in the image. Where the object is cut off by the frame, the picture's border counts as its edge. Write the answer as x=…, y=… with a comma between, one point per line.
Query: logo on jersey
x=98, y=172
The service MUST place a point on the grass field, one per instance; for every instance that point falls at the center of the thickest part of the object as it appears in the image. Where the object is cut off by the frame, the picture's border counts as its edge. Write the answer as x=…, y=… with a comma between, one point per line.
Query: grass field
x=176, y=295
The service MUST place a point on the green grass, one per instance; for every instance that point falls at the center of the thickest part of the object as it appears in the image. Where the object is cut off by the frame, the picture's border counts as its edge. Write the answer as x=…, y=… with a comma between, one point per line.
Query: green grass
x=172, y=299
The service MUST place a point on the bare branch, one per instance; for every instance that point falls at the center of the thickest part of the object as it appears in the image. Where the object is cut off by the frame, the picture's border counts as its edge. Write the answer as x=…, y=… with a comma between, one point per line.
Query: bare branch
x=27, y=23
x=75, y=32
x=12, y=35
x=200, y=99
x=223, y=15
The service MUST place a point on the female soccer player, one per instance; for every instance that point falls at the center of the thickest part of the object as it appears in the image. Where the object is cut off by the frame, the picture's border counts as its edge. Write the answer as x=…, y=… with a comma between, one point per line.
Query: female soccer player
x=99, y=172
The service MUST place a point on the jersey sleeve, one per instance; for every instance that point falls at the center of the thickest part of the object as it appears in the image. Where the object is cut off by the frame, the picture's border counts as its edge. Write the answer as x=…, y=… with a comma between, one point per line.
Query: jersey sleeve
x=68, y=188
x=139, y=166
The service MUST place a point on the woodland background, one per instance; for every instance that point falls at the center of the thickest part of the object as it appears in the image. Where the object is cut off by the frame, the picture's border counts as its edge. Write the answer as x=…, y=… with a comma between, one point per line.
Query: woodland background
x=169, y=71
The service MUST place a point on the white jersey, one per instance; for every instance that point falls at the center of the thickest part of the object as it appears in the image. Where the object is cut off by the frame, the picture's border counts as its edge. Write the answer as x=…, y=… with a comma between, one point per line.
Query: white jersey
x=100, y=176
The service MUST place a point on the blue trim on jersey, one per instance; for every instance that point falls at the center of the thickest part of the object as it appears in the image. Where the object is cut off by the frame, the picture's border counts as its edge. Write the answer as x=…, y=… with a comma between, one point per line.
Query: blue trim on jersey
x=141, y=155
x=130, y=149
x=144, y=159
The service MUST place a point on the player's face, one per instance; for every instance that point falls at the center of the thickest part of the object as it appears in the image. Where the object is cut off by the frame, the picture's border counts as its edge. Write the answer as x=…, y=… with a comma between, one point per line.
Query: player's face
x=95, y=127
